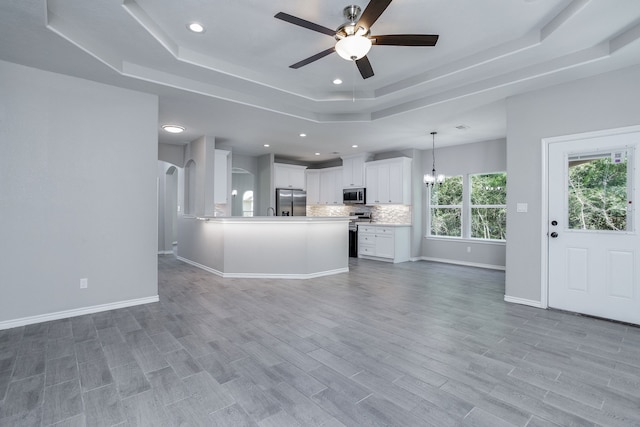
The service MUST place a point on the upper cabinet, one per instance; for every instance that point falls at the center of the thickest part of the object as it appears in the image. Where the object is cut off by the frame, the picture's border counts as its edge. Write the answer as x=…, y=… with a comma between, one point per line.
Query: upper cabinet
x=353, y=170
x=324, y=186
x=313, y=187
x=289, y=176
x=388, y=181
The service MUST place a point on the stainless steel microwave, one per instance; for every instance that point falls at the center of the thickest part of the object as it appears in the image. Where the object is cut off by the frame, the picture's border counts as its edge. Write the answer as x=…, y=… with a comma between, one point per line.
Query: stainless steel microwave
x=354, y=196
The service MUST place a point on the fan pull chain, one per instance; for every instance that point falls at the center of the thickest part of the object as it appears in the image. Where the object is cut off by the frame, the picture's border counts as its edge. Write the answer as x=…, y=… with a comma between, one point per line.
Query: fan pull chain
x=353, y=82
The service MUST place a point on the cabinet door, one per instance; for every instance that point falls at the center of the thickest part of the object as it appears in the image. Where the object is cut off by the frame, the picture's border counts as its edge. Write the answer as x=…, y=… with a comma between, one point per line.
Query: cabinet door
x=313, y=188
x=288, y=176
x=297, y=178
x=328, y=187
x=371, y=173
x=384, y=186
x=385, y=246
x=396, y=183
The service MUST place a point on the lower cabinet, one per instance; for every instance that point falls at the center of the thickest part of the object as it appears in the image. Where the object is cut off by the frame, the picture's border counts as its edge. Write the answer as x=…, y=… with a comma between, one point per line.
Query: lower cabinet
x=384, y=243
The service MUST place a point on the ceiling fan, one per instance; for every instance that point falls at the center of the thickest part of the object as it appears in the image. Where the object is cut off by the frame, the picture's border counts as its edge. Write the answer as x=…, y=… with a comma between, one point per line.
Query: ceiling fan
x=354, y=37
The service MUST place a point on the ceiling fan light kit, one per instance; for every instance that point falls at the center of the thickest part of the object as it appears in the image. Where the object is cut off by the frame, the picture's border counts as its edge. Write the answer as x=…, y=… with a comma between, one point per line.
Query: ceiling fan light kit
x=354, y=37
x=353, y=47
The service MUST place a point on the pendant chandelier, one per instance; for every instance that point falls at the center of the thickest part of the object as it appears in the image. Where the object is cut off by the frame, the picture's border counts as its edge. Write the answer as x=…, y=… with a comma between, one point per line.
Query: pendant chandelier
x=433, y=177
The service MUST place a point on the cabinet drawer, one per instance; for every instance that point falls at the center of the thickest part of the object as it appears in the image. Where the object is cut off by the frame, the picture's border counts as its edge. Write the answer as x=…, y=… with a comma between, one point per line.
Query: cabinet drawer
x=367, y=238
x=366, y=250
x=366, y=228
x=384, y=230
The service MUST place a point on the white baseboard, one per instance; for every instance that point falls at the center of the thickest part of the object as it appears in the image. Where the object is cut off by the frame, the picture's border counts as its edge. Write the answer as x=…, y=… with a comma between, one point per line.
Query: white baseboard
x=263, y=275
x=165, y=252
x=7, y=324
x=523, y=301
x=468, y=264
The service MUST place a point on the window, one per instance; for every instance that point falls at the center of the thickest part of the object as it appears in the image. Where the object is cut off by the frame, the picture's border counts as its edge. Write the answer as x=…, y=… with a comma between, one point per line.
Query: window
x=469, y=207
x=488, y=206
x=446, y=208
x=598, y=189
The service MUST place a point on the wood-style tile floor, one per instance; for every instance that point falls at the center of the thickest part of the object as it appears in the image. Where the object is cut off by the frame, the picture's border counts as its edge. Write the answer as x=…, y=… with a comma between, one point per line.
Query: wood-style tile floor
x=411, y=344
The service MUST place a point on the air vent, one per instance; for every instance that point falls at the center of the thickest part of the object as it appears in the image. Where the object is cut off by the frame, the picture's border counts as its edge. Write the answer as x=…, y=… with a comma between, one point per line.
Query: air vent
x=462, y=127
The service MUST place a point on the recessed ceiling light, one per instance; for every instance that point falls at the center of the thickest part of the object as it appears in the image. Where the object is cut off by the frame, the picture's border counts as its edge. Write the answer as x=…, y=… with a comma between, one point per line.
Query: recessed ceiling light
x=195, y=27
x=354, y=146
x=267, y=145
x=173, y=128
x=317, y=154
x=337, y=82
x=302, y=135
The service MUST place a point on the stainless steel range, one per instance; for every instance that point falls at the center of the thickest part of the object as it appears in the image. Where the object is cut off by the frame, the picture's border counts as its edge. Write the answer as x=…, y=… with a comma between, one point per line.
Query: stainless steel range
x=356, y=217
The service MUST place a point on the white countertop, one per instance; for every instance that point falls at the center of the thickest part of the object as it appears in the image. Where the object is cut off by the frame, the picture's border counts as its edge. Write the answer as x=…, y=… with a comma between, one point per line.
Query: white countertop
x=383, y=224
x=274, y=219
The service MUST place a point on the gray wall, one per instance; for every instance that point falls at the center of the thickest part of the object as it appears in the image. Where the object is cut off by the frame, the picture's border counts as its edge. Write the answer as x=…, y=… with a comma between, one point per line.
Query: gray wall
x=481, y=157
x=264, y=176
x=603, y=102
x=167, y=206
x=78, y=196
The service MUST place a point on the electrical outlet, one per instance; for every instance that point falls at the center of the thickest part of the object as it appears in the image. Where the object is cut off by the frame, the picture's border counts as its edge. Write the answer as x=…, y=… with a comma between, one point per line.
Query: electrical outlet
x=84, y=282
x=468, y=249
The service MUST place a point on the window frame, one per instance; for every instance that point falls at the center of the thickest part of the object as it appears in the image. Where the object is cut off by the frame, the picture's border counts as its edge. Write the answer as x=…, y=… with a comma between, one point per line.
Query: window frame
x=471, y=206
x=465, y=209
x=430, y=207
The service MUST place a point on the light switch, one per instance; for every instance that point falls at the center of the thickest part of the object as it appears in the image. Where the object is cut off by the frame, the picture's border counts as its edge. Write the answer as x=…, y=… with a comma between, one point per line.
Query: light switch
x=522, y=207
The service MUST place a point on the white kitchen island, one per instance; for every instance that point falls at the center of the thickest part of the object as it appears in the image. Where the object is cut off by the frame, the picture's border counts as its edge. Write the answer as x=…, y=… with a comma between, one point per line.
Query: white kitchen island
x=266, y=247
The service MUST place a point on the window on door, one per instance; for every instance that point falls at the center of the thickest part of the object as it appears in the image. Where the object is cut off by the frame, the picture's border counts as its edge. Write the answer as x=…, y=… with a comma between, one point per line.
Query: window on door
x=598, y=191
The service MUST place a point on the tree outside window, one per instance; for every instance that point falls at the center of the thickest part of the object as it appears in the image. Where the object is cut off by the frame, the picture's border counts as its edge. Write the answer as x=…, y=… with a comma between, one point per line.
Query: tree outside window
x=446, y=208
x=489, y=206
x=597, y=194
x=471, y=207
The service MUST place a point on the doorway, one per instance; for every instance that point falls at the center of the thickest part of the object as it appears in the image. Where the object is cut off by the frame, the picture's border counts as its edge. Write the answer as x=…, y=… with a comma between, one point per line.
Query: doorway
x=593, y=248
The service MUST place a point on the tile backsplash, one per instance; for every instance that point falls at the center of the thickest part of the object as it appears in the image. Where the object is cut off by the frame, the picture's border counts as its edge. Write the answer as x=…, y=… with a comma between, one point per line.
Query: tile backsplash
x=388, y=214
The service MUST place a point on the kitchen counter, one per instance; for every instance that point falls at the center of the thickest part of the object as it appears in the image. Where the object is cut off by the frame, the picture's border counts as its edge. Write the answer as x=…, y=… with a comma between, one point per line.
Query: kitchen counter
x=294, y=247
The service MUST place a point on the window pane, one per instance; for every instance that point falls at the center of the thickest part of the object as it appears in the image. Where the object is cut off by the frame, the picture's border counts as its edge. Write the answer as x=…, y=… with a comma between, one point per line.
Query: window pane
x=489, y=189
x=446, y=222
x=447, y=193
x=597, y=194
x=489, y=223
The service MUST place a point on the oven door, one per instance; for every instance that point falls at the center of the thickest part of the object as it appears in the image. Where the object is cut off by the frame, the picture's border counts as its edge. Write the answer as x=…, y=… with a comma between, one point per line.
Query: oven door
x=353, y=241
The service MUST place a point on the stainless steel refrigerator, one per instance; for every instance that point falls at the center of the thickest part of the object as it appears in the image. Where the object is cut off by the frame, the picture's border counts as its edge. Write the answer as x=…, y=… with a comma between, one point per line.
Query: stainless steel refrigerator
x=291, y=202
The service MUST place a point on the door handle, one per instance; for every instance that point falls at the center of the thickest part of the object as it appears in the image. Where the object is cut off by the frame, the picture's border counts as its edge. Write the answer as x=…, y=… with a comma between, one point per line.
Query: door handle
x=554, y=235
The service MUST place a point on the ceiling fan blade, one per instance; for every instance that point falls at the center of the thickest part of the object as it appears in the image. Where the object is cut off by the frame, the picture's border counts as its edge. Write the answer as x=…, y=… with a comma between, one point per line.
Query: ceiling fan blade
x=372, y=12
x=305, y=24
x=313, y=58
x=365, y=68
x=405, y=40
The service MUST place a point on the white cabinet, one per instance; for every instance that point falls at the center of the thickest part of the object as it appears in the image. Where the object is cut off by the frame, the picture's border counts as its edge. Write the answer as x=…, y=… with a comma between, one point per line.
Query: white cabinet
x=330, y=186
x=388, y=181
x=288, y=176
x=389, y=243
x=324, y=186
x=220, y=176
x=353, y=170
x=313, y=187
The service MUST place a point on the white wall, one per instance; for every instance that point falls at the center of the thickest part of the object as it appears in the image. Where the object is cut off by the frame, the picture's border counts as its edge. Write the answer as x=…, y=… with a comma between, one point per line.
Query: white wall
x=78, y=196
x=606, y=101
x=481, y=157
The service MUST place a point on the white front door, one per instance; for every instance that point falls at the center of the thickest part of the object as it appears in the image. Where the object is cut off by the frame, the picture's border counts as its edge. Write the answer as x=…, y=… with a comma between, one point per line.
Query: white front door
x=594, y=247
